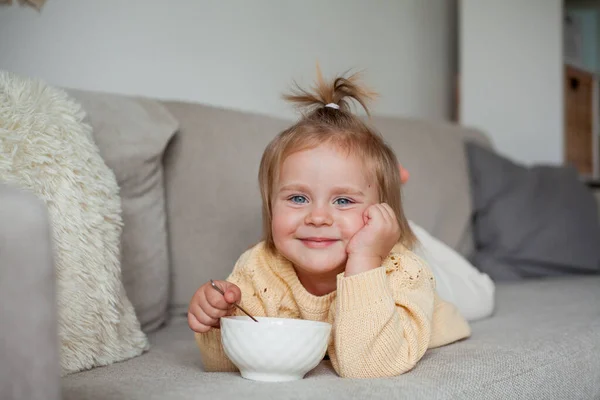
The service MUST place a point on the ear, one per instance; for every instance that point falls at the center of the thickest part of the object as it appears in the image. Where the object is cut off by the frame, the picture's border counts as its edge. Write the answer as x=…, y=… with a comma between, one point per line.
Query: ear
x=404, y=175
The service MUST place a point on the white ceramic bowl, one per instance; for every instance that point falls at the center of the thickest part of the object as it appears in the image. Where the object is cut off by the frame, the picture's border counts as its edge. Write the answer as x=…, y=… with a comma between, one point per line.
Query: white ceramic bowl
x=274, y=349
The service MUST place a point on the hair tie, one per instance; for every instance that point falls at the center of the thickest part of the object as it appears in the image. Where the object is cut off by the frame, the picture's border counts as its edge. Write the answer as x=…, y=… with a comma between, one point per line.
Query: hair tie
x=332, y=105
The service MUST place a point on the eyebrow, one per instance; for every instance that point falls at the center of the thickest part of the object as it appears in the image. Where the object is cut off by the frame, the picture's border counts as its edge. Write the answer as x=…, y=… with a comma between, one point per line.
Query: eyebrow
x=292, y=187
x=336, y=189
x=347, y=190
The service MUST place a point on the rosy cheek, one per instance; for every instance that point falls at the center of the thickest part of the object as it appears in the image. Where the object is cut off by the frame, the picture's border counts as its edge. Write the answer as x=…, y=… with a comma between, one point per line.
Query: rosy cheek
x=276, y=222
x=284, y=221
x=352, y=222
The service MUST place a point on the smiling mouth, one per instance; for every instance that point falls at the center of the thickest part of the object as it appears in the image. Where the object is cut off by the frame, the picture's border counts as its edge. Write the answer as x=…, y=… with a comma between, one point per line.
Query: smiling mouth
x=318, y=243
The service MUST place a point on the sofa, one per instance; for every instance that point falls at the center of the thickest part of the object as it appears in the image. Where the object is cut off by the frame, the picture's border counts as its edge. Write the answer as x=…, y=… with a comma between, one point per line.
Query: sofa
x=541, y=342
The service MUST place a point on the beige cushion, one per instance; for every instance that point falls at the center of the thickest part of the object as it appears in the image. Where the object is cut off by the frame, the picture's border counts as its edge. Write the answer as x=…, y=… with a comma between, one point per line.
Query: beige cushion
x=132, y=135
x=47, y=150
x=214, y=204
x=212, y=190
x=437, y=196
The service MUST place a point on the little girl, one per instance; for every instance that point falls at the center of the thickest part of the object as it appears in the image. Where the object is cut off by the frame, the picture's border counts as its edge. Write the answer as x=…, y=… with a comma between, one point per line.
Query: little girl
x=337, y=247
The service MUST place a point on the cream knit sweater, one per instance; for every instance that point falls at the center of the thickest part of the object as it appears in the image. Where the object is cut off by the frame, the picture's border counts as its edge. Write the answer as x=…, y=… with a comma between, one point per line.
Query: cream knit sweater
x=383, y=320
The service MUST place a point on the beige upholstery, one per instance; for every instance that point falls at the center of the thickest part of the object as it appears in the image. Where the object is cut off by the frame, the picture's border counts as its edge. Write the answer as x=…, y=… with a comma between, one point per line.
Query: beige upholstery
x=437, y=196
x=132, y=134
x=29, y=352
x=542, y=344
x=213, y=202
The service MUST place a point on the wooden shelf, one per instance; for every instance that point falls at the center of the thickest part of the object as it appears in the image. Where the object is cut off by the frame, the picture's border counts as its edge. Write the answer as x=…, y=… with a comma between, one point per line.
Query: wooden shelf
x=581, y=110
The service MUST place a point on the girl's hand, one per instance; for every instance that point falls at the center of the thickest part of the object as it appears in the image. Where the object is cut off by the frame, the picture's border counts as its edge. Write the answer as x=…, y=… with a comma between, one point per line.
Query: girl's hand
x=208, y=306
x=373, y=242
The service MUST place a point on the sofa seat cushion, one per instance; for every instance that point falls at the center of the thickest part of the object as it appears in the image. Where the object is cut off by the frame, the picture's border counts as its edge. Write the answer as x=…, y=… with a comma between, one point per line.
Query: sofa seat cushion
x=544, y=334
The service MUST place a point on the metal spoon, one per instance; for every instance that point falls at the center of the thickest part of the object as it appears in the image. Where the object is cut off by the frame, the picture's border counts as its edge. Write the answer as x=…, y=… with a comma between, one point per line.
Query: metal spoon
x=218, y=289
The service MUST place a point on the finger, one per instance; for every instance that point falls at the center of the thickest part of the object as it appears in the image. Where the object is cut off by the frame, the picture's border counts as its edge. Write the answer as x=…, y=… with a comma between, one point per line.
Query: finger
x=233, y=294
x=389, y=213
x=195, y=325
x=204, y=318
x=386, y=222
x=201, y=310
x=375, y=214
x=197, y=319
x=368, y=213
x=214, y=298
x=393, y=221
x=393, y=217
x=208, y=309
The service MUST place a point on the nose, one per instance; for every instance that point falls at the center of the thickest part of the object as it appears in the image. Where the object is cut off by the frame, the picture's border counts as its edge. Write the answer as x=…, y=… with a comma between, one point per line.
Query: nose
x=318, y=216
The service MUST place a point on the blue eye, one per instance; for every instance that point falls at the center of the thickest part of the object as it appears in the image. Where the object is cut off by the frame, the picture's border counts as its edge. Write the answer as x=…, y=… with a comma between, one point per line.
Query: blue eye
x=298, y=199
x=343, y=201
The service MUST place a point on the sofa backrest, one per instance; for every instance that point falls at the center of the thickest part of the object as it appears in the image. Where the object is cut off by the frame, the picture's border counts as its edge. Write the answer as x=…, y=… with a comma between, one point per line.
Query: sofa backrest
x=213, y=202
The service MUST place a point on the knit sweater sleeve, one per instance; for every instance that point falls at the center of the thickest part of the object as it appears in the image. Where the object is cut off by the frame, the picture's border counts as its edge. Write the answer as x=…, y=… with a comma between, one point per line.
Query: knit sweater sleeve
x=382, y=319
x=213, y=356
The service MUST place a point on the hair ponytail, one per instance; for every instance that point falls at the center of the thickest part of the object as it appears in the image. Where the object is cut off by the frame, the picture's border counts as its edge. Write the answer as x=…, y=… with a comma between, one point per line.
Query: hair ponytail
x=337, y=91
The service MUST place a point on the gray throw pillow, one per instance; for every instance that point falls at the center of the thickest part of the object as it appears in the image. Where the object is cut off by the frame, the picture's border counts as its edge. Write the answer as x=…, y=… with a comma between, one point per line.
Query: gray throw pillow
x=537, y=221
x=132, y=134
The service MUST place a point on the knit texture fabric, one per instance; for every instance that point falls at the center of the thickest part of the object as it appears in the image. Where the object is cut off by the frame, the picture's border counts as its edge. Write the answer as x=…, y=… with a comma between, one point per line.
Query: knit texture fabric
x=384, y=320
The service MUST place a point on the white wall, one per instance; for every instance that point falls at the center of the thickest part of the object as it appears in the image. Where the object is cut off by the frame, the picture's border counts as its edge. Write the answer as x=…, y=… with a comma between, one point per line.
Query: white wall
x=512, y=75
x=238, y=54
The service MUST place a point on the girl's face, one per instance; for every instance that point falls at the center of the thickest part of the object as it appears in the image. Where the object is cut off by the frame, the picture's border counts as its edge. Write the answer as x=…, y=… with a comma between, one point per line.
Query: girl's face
x=318, y=205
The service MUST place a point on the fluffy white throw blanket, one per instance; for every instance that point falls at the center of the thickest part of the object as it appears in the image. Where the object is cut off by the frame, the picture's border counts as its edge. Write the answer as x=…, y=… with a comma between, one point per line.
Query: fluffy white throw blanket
x=45, y=148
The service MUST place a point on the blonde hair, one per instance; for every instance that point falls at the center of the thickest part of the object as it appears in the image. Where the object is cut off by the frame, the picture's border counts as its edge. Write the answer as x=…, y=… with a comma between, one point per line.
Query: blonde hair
x=323, y=123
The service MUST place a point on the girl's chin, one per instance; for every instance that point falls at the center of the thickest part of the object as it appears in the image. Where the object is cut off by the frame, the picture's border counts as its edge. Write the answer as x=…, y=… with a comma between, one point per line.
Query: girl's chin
x=316, y=261
x=317, y=269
